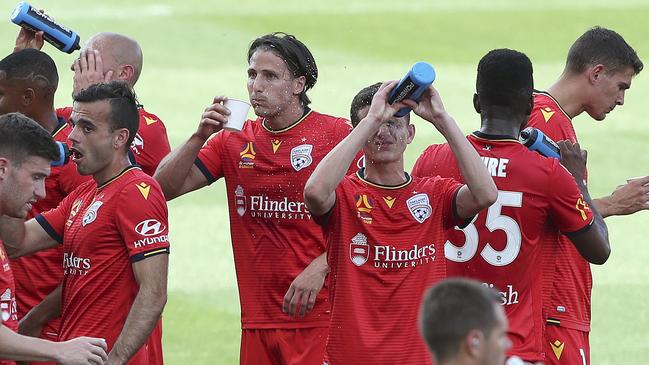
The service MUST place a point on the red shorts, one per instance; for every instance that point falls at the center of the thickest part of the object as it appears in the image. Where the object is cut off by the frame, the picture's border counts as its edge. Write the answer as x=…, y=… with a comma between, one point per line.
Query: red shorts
x=565, y=346
x=295, y=346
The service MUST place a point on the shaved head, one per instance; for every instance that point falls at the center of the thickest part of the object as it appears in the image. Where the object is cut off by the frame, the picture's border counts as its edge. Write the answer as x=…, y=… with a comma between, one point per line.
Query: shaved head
x=119, y=53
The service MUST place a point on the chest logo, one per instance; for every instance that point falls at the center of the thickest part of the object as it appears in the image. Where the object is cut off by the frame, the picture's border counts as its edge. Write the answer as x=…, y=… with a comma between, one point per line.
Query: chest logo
x=301, y=156
x=389, y=201
x=359, y=250
x=91, y=213
x=276, y=144
x=364, y=206
x=240, y=200
x=247, y=154
x=419, y=206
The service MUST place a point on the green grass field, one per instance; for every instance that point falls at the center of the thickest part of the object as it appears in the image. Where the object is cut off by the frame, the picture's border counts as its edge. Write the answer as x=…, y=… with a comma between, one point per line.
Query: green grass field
x=197, y=49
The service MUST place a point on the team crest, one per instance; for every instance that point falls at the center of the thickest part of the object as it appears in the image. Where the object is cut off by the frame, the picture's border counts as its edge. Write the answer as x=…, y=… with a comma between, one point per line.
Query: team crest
x=359, y=250
x=419, y=206
x=91, y=213
x=301, y=156
x=240, y=200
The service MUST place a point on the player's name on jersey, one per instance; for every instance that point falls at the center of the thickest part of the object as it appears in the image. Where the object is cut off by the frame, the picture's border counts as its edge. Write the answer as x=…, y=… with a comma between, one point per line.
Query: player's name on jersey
x=508, y=297
x=496, y=166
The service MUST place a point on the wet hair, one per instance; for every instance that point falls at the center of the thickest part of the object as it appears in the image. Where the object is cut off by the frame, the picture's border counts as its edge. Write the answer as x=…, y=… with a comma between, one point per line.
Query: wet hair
x=361, y=100
x=453, y=308
x=602, y=46
x=295, y=54
x=505, y=80
x=31, y=67
x=123, y=105
x=21, y=138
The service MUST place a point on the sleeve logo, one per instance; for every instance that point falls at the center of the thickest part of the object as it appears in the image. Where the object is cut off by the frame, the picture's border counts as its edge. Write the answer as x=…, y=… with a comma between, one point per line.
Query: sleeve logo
x=301, y=156
x=582, y=207
x=150, y=227
x=419, y=206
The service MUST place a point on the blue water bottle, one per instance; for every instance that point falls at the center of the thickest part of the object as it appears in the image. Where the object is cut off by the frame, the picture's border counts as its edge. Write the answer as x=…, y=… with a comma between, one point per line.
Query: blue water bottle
x=535, y=140
x=64, y=155
x=412, y=86
x=57, y=35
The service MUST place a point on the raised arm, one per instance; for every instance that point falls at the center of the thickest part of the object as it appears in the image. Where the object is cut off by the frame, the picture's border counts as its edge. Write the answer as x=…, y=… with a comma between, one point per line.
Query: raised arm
x=22, y=238
x=320, y=189
x=151, y=276
x=592, y=244
x=177, y=173
x=480, y=191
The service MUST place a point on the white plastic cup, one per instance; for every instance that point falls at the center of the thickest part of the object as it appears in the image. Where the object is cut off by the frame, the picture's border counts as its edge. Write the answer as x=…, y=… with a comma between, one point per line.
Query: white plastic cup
x=238, y=114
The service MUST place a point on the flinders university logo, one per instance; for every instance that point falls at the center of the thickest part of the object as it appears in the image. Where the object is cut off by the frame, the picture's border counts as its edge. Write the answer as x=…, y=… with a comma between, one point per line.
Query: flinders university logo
x=419, y=206
x=301, y=156
x=240, y=200
x=359, y=250
x=247, y=154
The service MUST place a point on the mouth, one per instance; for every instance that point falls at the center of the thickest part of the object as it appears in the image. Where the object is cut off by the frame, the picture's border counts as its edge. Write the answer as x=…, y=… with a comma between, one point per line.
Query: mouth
x=76, y=155
x=257, y=101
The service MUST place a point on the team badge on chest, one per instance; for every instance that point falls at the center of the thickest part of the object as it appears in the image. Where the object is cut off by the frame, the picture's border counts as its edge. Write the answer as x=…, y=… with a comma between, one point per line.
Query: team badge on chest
x=91, y=213
x=419, y=206
x=301, y=156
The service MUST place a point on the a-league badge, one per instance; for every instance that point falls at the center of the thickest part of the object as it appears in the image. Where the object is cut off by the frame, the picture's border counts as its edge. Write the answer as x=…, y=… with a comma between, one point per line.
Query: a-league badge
x=91, y=213
x=419, y=206
x=359, y=250
x=301, y=156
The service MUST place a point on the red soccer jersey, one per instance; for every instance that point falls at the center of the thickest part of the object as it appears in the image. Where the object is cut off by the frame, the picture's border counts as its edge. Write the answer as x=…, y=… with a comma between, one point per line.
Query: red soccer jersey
x=104, y=230
x=384, y=250
x=503, y=247
x=7, y=297
x=273, y=235
x=570, y=280
x=39, y=274
x=151, y=143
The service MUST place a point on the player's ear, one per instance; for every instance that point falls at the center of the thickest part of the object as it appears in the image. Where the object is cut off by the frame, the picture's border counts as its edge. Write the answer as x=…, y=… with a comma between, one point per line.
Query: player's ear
x=4, y=168
x=474, y=343
x=27, y=98
x=120, y=138
x=476, y=103
x=530, y=106
x=411, y=132
x=299, y=83
x=595, y=73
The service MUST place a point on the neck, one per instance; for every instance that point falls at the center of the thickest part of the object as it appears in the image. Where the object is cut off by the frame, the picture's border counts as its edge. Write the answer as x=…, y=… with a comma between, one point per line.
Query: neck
x=285, y=118
x=390, y=174
x=47, y=119
x=501, y=127
x=569, y=92
x=112, y=170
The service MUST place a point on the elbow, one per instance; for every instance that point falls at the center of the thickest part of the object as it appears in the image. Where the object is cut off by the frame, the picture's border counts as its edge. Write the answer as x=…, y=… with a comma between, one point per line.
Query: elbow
x=314, y=195
x=602, y=256
x=488, y=197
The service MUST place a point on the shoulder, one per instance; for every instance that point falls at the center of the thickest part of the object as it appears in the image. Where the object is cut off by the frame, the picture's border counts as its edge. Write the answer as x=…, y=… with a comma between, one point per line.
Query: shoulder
x=329, y=120
x=138, y=187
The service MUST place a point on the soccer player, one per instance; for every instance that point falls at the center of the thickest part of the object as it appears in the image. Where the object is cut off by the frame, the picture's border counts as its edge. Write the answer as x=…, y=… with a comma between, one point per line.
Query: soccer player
x=385, y=229
x=463, y=324
x=113, y=230
x=26, y=150
x=537, y=197
x=276, y=244
x=105, y=57
x=28, y=85
x=599, y=69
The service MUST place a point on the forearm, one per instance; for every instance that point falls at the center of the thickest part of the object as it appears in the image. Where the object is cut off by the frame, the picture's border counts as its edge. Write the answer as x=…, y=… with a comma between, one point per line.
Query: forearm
x=604, y=206
x=23, y=348
x=175, y=167
x=598, y=221
x=12, y=233
x=42, y=313
x=322, y=183
x=145, y=313
x=472, y=168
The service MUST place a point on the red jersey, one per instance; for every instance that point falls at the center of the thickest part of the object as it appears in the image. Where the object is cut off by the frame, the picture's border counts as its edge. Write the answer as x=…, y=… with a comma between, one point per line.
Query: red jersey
x=384, y=250
x=503, y=246
x=570, y=280
x=37, y=275
x=151, y=143
x=273, y=235
x=7, y=297
x=103, y=231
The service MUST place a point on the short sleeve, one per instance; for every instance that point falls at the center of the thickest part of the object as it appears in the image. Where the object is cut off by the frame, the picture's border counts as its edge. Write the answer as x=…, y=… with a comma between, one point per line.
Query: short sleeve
x=568, y=208
x=446, y=190
x=54, y=220
x=142, y=220
x=151, y=143
x=210, y=157
x=424, y=166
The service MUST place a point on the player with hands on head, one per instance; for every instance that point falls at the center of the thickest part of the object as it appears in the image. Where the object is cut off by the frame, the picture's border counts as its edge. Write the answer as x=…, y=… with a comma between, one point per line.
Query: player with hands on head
x=385, y=229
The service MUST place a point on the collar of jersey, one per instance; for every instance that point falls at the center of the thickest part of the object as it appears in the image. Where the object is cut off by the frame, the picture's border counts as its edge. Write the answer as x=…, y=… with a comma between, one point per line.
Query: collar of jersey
x=307, y=111
x=59, y=127
x=555, y=102
x=493, y=137
x=361, y=175
x=127, y=169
